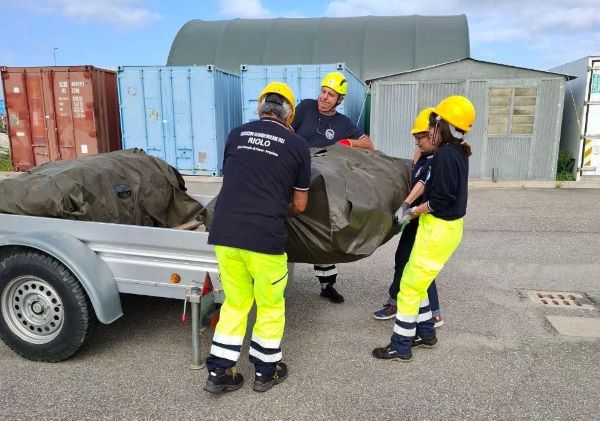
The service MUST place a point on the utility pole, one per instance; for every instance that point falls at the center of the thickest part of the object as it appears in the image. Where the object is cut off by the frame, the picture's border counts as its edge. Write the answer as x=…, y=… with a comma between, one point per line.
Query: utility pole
x=54, y=54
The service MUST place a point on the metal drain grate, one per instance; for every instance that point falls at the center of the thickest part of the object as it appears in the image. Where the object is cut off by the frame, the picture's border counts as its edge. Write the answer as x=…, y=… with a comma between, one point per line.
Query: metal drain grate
x=560, y=299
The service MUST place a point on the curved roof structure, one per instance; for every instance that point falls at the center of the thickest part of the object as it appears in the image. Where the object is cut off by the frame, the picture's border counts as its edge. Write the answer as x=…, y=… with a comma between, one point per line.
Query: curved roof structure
x=371, y=46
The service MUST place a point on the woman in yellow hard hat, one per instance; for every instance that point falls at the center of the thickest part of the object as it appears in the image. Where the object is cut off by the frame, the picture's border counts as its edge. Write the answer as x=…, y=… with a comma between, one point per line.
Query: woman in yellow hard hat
x=440, y=226
x=420, y=173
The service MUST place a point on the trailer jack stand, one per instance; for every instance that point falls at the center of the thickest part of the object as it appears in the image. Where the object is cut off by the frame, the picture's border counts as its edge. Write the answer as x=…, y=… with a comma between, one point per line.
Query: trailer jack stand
x=194, y=298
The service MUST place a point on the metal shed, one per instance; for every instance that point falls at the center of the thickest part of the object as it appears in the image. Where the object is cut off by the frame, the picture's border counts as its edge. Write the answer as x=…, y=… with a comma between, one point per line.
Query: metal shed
x=581, y=116
x=372, y=46
x=516, y=134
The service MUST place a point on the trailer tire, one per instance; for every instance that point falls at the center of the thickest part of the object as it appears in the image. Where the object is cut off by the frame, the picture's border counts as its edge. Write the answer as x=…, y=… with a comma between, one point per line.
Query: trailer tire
x=45, y=314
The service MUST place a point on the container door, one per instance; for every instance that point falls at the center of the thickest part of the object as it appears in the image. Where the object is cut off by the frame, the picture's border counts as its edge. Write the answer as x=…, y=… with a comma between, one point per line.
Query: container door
x=19, y=127
x=42, y=138
x=205, y=154
x=84, y=126
x=183, y=147
x=64, y=113
x=132, y=108
x=591, y=141
x=255, y=78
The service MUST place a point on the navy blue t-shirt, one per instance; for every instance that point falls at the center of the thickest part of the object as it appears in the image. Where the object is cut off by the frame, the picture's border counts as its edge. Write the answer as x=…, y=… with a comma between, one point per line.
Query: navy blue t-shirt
x=322, y=130
x=263, y=163
x=420, y=173
x=447, y=188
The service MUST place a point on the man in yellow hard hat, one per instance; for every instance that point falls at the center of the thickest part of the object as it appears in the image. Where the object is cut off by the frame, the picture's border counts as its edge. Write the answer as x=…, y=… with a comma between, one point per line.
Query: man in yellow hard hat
x=321, y=125
x=266, y=179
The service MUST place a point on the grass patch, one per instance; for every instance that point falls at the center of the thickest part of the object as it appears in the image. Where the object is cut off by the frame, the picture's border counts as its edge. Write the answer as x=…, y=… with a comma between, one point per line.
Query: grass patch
x=5, y=164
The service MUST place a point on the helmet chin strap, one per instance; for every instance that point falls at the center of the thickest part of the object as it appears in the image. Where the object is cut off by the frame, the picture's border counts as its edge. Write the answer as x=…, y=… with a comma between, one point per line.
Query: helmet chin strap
x=455, y=132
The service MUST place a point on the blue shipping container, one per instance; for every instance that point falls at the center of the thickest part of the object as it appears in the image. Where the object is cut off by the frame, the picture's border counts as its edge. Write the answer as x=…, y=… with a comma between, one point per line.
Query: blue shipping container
x=180, y=114
x=2, y=107
x=305, y=81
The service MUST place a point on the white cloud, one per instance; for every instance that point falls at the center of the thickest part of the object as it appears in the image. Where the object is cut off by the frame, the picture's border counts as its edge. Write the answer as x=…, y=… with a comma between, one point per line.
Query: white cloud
x=563, y=29
x=249, y=9
x=125, y=13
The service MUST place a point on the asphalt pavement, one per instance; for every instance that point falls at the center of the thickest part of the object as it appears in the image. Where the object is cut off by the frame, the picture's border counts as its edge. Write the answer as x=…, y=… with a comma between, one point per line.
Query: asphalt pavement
x=498, y=356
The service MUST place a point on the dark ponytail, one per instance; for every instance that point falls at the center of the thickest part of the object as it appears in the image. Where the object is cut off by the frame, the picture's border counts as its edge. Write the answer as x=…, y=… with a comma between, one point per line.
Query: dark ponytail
x=447, y=136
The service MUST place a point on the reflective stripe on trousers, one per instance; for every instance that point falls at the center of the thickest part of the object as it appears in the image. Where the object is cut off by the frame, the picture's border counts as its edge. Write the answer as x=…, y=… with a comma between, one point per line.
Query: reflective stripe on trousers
x=326, y=273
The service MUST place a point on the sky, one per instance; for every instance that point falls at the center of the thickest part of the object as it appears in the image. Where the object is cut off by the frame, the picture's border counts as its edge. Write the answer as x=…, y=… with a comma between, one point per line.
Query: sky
x=537, y=34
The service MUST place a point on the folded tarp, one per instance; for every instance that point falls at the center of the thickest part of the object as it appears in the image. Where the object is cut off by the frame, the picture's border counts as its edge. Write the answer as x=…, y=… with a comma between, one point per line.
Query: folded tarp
x=352, y=198
x=123, y=187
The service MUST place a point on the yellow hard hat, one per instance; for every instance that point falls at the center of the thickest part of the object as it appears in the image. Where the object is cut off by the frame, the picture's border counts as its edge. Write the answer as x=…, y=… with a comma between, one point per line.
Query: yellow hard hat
x=421, y=123
x=336, y=81
x=458, y=111
x=285, y=91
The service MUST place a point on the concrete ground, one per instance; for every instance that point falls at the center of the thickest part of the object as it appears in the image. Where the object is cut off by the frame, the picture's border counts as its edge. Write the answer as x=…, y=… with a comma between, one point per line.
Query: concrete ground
x=498, y=356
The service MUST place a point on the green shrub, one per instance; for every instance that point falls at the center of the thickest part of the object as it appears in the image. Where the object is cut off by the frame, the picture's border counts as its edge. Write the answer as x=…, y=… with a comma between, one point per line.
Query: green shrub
x=5, y=164
x=564, y=167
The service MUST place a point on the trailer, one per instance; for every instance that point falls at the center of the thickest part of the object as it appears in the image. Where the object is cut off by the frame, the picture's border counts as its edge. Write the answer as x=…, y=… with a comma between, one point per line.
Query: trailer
x=58, y=278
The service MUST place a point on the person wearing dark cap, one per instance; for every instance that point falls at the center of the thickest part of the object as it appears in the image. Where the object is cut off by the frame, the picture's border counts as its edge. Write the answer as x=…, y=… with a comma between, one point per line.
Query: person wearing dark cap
x=266, y=177
x=322, y=125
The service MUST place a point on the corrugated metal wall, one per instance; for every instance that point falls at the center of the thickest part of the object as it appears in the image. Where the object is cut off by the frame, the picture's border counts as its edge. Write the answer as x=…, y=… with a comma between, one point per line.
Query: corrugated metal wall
x=395, y=103
x=478, y=94
x=547, y=132
x=510, y=155
x=430, y=93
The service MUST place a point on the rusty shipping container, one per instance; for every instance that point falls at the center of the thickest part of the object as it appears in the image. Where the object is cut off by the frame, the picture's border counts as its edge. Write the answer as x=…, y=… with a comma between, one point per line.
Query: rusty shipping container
x=58, y=113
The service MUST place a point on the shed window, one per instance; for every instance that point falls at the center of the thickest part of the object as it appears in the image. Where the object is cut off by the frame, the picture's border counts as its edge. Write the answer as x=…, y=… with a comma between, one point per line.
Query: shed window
x=511, y=111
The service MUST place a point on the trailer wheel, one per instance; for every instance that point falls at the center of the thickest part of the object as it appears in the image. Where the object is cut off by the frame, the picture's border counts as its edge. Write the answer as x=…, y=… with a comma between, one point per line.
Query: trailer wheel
x=45, y=314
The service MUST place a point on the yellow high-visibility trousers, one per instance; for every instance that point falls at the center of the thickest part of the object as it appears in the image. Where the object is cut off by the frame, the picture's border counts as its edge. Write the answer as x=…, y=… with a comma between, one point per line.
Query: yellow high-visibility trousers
x=246, y=277
x=435, y=242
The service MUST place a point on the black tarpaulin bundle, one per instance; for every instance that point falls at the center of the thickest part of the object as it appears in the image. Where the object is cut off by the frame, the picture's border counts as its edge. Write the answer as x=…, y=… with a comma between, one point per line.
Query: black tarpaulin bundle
x=123, y=187
x=352, y=198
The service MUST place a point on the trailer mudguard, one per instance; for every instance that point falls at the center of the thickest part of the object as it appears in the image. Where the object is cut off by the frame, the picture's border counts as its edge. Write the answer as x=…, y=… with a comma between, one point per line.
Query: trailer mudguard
x=94, y=275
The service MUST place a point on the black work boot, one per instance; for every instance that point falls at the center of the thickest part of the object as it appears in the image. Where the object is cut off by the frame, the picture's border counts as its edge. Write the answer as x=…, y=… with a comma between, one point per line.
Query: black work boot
x=263, y=383
x=331, y=294
x=221, y=380
x=389, y=353
x=425, y=342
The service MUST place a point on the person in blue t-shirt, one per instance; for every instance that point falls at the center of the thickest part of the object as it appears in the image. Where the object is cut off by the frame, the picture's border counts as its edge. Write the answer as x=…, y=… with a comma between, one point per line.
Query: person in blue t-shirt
x=266, y=177
x=321, y=125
